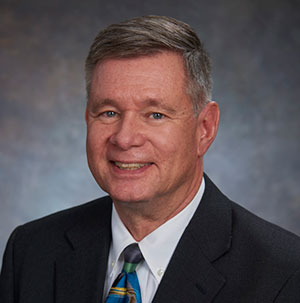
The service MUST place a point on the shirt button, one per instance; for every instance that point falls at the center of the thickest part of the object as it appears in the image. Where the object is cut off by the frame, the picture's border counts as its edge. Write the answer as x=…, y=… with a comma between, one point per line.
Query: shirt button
x=113, y=264
x=160, y=272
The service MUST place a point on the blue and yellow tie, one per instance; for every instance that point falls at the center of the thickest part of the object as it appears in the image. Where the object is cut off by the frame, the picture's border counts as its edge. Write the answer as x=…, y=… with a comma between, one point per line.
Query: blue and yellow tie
x=126, y=288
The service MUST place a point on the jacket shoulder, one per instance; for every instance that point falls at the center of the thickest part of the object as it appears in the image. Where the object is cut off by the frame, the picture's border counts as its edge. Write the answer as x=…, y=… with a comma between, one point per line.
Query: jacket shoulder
x=36, y=248
x=261, y=233
x=67, y=217
x=49, y=232
x=262, y=262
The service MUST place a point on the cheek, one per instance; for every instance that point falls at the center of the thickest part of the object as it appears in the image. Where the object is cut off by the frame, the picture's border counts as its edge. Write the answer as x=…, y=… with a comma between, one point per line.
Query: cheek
x=167, y=147
x=95, y=141
x=164, y=142
x=174, y=140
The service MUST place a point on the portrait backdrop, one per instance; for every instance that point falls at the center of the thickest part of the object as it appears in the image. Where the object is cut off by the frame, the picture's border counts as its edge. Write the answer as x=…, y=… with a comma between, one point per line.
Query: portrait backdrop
x=255, y=47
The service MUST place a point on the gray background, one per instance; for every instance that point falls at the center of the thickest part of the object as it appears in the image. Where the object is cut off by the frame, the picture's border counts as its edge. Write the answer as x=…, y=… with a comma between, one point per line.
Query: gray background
x=255, y=50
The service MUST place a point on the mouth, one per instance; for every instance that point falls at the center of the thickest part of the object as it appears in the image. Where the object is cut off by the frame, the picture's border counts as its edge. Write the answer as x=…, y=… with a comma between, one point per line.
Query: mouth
x=130, y=166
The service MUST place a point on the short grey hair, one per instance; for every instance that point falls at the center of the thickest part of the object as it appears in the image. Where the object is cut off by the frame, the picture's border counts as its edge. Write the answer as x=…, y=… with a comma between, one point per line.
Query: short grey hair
x=150, y=35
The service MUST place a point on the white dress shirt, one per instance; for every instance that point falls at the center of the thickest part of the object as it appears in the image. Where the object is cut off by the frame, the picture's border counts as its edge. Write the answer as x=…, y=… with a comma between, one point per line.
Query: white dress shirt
x=157, y=248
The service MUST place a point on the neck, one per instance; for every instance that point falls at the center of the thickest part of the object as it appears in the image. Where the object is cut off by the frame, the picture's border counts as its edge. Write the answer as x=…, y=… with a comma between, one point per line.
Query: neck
x=142, y=218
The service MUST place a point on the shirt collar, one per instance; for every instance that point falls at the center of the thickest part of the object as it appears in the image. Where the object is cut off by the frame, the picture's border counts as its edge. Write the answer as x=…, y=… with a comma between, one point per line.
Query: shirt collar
x=159, y=246
x=121, y=237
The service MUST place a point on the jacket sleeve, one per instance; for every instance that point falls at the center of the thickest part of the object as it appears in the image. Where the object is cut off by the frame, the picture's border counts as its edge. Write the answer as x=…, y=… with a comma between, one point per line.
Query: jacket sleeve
x=290, y=292
x=7, y=276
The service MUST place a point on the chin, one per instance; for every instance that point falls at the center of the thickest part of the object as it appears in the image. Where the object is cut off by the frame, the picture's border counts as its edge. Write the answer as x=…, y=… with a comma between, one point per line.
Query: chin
x=127, y=190
x=129, y=196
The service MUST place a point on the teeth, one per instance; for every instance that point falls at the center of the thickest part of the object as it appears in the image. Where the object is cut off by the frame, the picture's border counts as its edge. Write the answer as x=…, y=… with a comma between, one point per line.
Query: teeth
x=130, y=166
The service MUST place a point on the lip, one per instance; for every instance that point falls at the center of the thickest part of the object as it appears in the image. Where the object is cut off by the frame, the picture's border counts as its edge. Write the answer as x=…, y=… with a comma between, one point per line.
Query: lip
x=132, y=168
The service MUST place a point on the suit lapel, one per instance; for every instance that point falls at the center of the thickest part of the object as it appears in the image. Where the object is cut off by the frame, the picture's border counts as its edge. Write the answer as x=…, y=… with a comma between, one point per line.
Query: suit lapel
x=191, y=276
x=80, y=274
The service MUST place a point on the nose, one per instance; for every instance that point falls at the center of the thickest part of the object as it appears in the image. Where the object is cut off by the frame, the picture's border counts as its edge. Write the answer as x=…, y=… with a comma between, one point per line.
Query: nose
x=128, y=133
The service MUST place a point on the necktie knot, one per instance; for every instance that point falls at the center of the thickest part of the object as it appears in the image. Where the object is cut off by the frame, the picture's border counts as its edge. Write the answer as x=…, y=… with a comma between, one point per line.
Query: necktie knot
x=126, y=287
x=132, y=257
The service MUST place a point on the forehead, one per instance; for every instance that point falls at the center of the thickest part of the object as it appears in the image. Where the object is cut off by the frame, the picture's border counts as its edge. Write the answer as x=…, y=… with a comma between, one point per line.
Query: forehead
x=161, y=73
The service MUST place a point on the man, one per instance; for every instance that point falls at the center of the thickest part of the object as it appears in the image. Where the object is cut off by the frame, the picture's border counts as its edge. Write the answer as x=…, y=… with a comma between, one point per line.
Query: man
x=149, y=123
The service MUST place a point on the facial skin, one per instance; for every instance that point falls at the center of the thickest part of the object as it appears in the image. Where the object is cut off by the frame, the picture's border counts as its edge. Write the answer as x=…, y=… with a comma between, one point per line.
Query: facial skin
x=144, y=143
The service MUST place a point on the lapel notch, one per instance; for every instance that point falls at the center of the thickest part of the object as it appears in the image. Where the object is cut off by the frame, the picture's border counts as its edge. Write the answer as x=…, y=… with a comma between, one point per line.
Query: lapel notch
x=191, y=275
x=80, y=274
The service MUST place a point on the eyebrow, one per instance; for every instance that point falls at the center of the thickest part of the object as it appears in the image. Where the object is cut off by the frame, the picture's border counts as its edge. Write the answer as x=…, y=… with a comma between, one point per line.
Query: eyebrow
x=158, y=104
x=95, y=105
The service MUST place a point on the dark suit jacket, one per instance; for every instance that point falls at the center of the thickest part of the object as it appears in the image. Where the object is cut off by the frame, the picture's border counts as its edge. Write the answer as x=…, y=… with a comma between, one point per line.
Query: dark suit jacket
x=226, y=254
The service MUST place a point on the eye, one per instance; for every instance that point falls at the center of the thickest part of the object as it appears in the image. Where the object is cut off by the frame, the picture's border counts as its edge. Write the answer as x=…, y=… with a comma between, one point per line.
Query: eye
x=109, y=114
x=157, y=116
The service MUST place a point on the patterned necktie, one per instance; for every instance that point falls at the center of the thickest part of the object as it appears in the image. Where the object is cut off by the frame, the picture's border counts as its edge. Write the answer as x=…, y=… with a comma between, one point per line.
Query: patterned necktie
x=126, y=288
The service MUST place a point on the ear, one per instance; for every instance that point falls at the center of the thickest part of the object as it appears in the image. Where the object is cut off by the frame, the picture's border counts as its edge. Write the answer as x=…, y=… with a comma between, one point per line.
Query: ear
x=208, y=122
x=86, y=115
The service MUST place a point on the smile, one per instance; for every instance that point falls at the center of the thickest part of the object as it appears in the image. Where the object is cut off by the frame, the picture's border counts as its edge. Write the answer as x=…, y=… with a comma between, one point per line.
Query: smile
x=130, y=166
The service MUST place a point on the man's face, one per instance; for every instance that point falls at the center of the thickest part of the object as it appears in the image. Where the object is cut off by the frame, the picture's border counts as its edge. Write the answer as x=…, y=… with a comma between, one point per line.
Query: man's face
x=142, y=134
